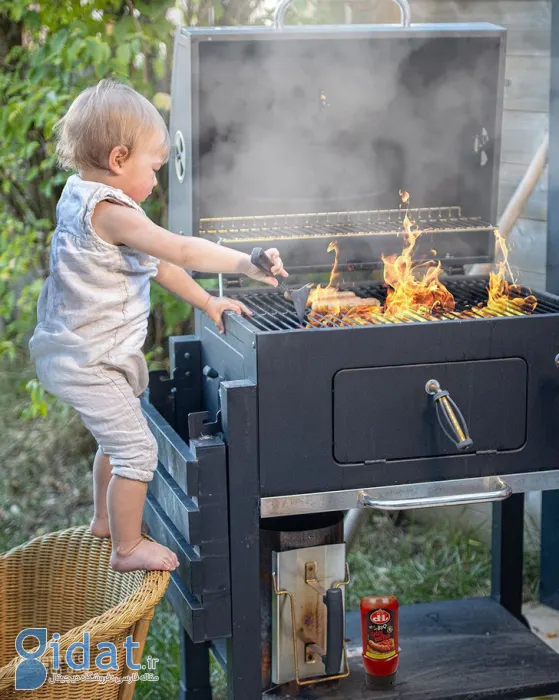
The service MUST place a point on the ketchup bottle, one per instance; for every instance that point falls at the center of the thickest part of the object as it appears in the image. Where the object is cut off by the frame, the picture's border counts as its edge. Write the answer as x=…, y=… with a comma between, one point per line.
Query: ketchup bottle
x=379, y=628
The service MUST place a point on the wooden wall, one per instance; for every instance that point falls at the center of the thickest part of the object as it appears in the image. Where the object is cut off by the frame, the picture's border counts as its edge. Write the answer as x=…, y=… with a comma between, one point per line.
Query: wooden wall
x=526, y=101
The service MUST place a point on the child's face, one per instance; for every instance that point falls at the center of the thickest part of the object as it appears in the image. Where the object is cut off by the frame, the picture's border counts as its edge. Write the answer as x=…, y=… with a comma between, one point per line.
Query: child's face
x=137, y=176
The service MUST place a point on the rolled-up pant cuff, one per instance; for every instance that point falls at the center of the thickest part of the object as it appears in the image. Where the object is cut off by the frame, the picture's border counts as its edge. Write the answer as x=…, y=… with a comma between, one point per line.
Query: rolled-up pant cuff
x=135, y=474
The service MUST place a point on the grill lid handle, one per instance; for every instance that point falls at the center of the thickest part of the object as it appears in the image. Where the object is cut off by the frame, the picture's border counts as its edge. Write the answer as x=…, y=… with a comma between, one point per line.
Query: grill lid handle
x=281, y=7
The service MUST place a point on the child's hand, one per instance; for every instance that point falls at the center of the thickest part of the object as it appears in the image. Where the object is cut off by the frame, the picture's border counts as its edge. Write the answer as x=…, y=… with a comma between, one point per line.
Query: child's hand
x=217, y=305
x=277, y=269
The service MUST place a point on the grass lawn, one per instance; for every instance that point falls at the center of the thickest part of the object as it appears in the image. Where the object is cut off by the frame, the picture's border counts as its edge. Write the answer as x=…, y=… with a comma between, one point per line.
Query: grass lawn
x=46, y=485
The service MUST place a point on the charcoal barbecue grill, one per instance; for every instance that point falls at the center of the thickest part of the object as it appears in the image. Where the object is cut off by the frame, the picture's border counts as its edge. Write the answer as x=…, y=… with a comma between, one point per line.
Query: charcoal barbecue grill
x=268, y=433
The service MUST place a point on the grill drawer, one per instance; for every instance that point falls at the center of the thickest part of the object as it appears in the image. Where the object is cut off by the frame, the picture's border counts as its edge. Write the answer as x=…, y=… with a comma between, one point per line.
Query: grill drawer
x=384, y=413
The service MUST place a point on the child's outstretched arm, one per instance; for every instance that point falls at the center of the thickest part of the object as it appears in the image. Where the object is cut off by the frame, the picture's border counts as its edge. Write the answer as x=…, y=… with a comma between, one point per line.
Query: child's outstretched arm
x=177, y=281
x=121, y=225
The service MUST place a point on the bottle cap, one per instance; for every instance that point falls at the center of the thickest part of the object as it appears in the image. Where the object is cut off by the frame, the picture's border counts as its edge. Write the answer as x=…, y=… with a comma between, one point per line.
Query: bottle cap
x=380, y=682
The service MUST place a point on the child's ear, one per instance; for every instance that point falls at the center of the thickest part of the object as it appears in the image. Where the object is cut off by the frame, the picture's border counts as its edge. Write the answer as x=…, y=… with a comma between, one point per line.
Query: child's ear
x=117, y=158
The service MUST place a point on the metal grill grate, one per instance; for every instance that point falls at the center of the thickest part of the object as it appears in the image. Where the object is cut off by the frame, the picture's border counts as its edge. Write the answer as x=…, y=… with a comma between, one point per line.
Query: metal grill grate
x=326, y=225
x=273, y=313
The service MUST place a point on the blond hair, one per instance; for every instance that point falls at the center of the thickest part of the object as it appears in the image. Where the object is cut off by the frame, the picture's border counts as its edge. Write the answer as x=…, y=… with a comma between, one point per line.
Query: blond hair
x=102, y=117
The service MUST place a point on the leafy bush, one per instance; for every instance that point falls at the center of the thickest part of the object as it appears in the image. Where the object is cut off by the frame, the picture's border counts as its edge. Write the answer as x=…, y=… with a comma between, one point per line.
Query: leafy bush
x=49, y=52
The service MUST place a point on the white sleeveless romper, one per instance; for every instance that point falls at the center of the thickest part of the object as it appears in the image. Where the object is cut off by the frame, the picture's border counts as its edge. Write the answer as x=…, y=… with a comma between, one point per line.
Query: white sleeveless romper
x=92, y=323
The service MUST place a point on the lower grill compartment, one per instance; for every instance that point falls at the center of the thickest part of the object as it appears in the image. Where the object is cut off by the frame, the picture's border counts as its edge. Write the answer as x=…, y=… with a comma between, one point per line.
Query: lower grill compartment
x=346, y=408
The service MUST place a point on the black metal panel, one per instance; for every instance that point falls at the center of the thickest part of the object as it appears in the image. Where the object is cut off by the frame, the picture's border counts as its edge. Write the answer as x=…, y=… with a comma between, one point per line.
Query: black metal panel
x=552, y=259
x=201, y=597
x=185, y=354
x=217, y=613
x=173, y=452
x=507, y=554
x=195, y=670
x=364, y=429
x=201, y=516
x=549, y=562
x=212, y=501
x=160, y=394
x=187, y=607
x=191, y=568
x=295, y=370
x=232, y=356
x=194, y=524
x=181, y=510
x=240, y=425
x=295, y=373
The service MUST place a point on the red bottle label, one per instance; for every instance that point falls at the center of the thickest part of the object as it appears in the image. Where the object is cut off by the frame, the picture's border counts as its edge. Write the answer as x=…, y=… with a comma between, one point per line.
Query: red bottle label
x=380, y=635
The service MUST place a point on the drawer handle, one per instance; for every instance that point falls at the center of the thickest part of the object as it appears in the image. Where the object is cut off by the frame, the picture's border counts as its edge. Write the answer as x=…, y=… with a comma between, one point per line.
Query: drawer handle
x=448, y=499
x=450, y=419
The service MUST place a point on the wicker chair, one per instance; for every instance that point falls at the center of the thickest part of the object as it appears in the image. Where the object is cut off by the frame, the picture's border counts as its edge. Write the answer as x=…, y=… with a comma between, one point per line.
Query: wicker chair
x=63, y=581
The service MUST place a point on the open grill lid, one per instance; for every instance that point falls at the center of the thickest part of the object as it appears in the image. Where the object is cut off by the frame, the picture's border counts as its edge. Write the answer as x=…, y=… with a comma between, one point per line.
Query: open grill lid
x=299, y=136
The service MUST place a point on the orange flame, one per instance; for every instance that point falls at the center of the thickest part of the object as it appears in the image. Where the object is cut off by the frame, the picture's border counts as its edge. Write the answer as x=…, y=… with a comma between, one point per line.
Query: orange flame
x=330, y=295
x=413, y=286
x=415, y=291
x=500, y=292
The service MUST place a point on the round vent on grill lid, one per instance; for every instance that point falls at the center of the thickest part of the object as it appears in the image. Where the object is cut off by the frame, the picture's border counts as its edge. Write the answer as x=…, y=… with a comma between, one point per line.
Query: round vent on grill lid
x=180, y=156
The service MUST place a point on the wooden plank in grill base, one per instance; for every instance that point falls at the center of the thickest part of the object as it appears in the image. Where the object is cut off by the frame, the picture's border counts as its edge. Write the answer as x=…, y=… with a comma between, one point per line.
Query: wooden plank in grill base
x=452, y=650
x=536, y=206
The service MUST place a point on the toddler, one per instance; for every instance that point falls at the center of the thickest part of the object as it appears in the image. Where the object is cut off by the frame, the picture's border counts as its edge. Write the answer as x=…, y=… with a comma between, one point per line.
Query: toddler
x=93, y=309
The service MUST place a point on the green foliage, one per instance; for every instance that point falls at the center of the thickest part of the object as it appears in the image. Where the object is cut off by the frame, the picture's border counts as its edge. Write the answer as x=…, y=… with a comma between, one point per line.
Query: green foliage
x=39, y=401
x=49, y=52
x=425, y=563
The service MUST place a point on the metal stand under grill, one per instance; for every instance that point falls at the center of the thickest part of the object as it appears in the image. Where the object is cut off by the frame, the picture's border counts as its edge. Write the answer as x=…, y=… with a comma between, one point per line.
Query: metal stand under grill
x=204, y=504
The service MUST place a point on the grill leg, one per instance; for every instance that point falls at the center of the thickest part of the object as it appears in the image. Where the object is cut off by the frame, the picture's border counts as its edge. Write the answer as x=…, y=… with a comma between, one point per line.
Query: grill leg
x=549, y=565
x=239, y=420
x=195, y=670
x=507, y=554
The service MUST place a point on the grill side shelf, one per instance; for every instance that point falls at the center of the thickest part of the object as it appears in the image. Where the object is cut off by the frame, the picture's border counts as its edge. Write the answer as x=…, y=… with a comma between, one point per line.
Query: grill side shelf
x=506, y=661
x=186, y=509
x=173, y=452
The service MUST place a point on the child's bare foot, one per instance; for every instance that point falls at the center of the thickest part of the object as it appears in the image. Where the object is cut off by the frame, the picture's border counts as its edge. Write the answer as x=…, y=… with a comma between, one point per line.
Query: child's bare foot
x=99, y=527
x=144, y=556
